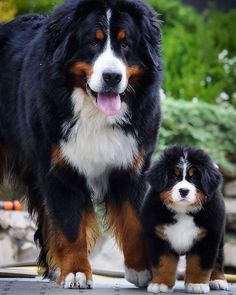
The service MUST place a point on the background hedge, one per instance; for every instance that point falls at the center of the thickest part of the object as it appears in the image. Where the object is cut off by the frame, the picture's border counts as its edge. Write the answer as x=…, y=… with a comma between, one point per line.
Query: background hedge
x=199, y=52
x=202, y=125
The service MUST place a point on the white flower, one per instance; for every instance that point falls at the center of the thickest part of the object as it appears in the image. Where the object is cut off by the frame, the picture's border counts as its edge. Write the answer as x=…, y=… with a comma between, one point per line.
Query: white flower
x=222, y=55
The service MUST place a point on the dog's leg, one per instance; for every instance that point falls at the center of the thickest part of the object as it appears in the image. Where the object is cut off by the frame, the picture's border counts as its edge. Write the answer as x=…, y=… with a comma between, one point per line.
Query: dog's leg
x=164, y=274
x=70, y=258
x=162, y=258
x=217, y=280
x=71, y=227
x=197, y=278
x=126, y=227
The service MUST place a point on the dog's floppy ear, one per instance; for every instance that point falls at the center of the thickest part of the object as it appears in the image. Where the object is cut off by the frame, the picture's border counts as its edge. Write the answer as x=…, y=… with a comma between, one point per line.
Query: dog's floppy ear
x=211, y=178
x=59, y=30
x=152, y=37
x=157, y=177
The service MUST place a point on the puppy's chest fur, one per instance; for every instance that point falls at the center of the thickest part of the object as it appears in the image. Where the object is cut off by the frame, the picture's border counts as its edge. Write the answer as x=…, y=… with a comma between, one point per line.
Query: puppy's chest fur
x=182, y=234
x=95, y=146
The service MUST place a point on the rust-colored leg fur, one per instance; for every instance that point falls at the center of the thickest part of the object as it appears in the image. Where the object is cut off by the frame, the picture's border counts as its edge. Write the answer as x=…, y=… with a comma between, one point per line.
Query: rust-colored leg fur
x=72, y=257
x=128, y=232
x=165, y=272
x=217, y=273
x=194, y=273
x=126, y=227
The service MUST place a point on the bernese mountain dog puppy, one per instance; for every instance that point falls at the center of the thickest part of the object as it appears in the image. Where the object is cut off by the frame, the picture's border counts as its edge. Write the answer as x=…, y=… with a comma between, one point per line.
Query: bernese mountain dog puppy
x=184, y=214
x=79, y=118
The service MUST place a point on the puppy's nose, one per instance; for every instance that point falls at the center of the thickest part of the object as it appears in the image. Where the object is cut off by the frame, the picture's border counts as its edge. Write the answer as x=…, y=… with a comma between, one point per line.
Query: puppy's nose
x=111, y=78
x=183, y=192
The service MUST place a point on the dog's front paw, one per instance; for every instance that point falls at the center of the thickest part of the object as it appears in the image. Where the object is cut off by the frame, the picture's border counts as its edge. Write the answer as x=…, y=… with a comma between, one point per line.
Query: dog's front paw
x=138, y=278
x=219, y=285
x=157, y=288
x=197, y=288
x=77, y=281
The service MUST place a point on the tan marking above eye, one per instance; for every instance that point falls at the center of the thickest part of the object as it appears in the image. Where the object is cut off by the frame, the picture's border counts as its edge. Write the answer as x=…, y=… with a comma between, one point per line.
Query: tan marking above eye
x=134, y=71
x=121, y=35
x=191, y=171
x=100, y=35
x=177, y=171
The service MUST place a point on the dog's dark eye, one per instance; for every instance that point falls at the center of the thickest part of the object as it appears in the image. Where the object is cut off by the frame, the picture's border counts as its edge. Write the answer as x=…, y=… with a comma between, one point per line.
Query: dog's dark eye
x=177, y=172
x=94, y=43
x=191, y=172
x=125, y=45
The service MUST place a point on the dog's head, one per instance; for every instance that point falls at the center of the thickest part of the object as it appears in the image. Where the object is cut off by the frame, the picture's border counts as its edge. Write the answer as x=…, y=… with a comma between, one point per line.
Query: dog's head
x=185, y=178
x=106, y=47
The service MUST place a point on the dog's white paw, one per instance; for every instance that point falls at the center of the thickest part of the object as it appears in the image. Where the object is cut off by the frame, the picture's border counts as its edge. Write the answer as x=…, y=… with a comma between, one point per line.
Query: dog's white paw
x=157, y=288
x=138, y=278
x=197, y=288
x=219, y=285
x=77, y=281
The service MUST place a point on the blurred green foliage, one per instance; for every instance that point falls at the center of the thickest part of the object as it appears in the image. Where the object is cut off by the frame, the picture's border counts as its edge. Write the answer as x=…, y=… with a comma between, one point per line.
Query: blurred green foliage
x=199, y=52
x=202, y=125
x=7, y=10
x=24, y=6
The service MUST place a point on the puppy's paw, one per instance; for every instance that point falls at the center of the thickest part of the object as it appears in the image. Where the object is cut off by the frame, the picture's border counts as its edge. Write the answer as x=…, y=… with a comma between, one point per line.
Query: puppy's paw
x=157, y=288
x=219, y=285
x=197, y=288
x=77, y=281
x=138, y=278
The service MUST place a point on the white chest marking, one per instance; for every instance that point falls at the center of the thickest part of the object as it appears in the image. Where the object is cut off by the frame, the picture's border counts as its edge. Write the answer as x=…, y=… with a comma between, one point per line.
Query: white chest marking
x=94, y=146
x=182, y=234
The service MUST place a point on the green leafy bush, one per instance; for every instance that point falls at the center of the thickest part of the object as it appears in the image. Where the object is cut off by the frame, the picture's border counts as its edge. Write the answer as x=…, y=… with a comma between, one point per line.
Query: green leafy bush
x=199, y=52
x=7, y=10
x=201, y=125
x=24, y=6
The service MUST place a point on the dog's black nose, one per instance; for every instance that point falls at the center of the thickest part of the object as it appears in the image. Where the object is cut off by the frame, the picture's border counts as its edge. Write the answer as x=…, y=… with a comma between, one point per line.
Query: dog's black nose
x=183, y=192
x=111, y=78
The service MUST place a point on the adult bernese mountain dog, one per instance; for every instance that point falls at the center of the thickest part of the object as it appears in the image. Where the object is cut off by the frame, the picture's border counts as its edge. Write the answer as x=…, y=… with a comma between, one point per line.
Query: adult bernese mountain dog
x=184, y=213
x=79, y=118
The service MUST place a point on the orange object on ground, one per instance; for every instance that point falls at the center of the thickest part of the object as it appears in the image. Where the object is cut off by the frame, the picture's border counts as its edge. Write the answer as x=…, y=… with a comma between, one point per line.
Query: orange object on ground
x=10, y=205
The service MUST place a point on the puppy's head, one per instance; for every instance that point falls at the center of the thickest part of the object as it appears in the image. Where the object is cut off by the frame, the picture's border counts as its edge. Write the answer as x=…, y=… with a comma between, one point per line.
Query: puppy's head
x=106, y=47
x=185, y=178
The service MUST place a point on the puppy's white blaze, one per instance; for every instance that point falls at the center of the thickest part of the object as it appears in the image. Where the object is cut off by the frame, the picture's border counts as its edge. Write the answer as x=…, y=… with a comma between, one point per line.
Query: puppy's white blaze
x=94, y=145
x=182, y=234
x=107, y=62
x=185, y=166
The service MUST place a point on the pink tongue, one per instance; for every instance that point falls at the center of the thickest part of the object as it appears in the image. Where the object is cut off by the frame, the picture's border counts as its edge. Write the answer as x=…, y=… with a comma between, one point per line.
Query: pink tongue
x=109, y=103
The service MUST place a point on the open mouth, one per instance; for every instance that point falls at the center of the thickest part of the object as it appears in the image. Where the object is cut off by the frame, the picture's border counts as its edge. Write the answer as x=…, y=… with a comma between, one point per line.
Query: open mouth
x=107, y=102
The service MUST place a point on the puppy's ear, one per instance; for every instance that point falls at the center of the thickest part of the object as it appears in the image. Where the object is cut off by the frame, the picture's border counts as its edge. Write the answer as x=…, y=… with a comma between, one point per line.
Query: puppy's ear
x=152, y=37
x=157, y=177
x=211, y=179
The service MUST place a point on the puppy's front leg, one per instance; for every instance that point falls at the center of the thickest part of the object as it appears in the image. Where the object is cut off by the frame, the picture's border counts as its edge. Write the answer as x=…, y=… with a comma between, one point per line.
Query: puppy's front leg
x=197, y=277
x=164, y=265
x=164, y=274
